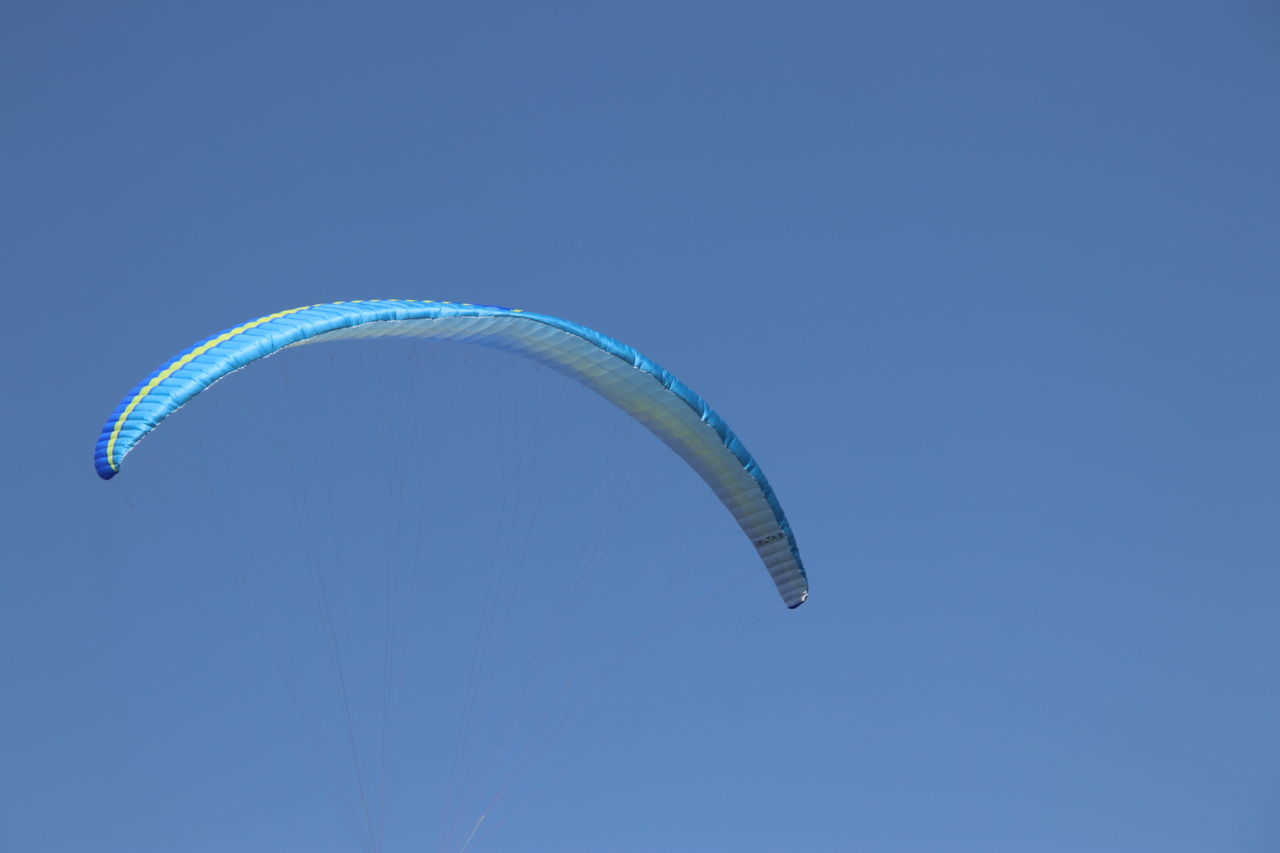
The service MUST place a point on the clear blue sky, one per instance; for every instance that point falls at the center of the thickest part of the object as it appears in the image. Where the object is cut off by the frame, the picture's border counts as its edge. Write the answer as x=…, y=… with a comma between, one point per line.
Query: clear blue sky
x=991, y=289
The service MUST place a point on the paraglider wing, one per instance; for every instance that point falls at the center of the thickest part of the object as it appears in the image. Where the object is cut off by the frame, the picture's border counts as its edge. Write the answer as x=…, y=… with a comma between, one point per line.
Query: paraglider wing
x=634, y=383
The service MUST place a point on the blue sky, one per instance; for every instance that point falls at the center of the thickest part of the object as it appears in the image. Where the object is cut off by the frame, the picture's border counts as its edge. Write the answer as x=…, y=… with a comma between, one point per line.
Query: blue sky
x=990, y=290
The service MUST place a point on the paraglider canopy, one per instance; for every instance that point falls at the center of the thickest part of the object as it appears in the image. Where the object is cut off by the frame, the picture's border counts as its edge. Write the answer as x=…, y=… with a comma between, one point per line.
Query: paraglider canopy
x=620, y=374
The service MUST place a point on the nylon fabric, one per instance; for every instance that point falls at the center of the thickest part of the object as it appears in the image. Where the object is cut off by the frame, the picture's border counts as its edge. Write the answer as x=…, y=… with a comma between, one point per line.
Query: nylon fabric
x=619, y=373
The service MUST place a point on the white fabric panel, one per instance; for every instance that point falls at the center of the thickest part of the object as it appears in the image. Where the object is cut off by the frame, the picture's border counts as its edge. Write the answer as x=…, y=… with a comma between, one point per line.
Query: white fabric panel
x=640, y=395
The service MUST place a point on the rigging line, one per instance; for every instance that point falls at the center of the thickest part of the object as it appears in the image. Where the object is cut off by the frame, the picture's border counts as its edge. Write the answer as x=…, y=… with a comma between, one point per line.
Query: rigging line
x=519, y=472
x=514, y=469
x=200, y=484
x=471, y=835
x=393, y=463
x=535, y=441
x=607, y=523
x=303, y=512
x=221, y=543
x=640, y=709
x=519, y=469
x=339, y=671
x=276, y=649
x=412, y=490
x=428, y=466
x=407, y=456
x=480, y=648
x=620, y=657
x=582, y=564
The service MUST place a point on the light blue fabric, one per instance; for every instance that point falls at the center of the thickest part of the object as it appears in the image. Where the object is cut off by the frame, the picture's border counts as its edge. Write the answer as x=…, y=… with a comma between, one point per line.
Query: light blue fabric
x=189, y=372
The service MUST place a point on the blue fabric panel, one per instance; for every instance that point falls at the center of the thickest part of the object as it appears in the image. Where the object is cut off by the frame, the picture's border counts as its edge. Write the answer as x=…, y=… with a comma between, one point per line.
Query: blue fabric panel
x=197, y=367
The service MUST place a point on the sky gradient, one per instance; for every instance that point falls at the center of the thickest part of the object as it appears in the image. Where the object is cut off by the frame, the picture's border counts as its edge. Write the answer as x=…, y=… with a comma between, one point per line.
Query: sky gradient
x=990, y=290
